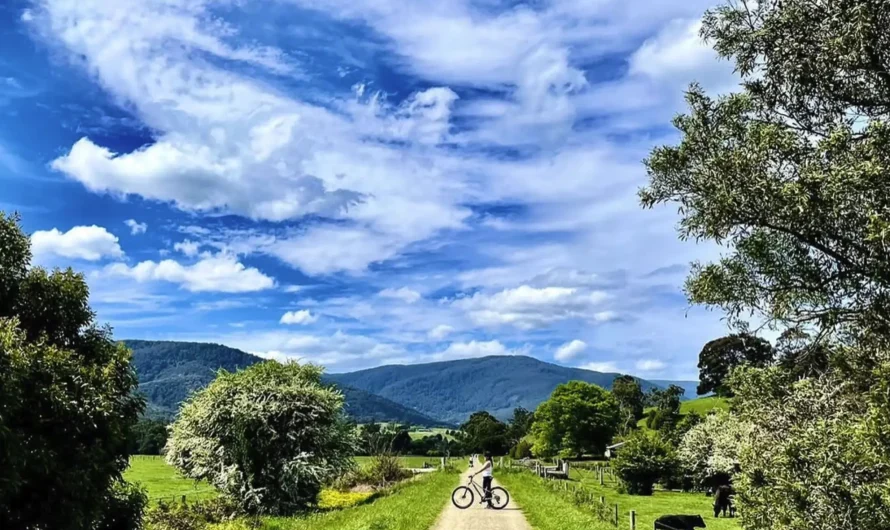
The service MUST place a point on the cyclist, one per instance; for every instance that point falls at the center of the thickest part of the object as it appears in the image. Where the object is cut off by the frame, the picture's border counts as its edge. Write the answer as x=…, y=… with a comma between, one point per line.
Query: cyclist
x=485, y=471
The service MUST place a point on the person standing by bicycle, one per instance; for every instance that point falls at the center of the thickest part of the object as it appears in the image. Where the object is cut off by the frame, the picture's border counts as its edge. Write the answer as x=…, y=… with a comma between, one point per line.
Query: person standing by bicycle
x=485, y=471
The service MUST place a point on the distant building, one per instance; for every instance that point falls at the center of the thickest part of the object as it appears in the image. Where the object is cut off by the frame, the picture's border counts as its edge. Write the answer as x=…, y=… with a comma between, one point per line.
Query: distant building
x=612, y=450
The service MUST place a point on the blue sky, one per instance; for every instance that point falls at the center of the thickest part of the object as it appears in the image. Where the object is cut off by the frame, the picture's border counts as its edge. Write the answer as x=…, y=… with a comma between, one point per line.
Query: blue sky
x=358, y=183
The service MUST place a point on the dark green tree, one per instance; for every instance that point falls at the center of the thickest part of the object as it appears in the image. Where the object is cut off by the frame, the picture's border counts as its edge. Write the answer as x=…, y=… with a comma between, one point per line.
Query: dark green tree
x=579, y=418
x=720, y=356
x=631, y=401
x=519, y=425
x=67, y=399
x=644, y=459
x=484, y=433
x=148, y=437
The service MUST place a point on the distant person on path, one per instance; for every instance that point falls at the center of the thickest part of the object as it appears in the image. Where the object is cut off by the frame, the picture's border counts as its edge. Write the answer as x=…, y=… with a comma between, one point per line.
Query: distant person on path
x=486, y=478
x=471, y=460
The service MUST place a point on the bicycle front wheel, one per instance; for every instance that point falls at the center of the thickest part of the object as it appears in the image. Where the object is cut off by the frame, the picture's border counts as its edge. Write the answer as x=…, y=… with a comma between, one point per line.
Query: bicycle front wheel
x=462, y=497
x=499, y=498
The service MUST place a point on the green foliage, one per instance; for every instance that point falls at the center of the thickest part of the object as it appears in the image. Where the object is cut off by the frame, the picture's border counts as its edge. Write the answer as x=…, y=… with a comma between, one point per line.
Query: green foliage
x=66, y=398
x=268, y=436
x=578, y=418
x=485, y=433
x=521, y=450
x=191, y=516
x=818, y=456
x=148, y=437
x=709, y=452
x=629, y=394
x=720, y=356
x=123, y=507
x=644, y=459
x=665, y=412
x=519, y=425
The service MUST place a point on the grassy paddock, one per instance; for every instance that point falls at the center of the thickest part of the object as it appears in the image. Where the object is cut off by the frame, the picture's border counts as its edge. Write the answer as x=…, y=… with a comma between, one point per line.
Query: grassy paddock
x=163, y=483
x=413, y=505
x=648, y=508
x=412, y=462
x=545, y=509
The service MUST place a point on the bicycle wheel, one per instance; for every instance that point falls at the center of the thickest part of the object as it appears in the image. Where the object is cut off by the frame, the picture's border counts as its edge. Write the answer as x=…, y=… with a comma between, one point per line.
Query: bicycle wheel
x=462, y=497
x=499, y=498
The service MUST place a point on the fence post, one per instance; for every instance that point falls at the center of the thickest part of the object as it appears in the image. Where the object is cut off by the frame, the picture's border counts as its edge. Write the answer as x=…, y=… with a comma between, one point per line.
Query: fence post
x=616, y=515
x=633, y=520
x=602, y=500
x=443, y=462
x=601, y=476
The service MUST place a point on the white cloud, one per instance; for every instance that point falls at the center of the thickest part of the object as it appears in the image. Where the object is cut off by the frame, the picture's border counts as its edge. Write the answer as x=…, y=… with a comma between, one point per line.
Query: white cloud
x=188, y=247
x=650, y=365
x=301, y=317
x=135, y=227
x=602, y=366
x=210, y=274
x=529, y=307
x=440, y=332
x=292, y=288
x=90, y=243
x=472, y=349
x=570, y=350
x=409, y=296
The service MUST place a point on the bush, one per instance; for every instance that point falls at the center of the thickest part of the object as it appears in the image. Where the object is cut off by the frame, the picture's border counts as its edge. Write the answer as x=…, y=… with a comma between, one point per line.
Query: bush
x=123, y=508
x=268, y=437
x=643, y=460
x=192, y=516
x=521, y=450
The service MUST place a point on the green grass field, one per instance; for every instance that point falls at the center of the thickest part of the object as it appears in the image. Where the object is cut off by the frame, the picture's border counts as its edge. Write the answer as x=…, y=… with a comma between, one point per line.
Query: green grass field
x=413, y=462
x=649, y=508
x=412, y=506
x=699, y=406
x=162, y=482
x=548, y=510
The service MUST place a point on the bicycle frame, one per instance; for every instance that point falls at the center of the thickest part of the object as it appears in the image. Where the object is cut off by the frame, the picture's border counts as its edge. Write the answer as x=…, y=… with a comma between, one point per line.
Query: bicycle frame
x=477, y=487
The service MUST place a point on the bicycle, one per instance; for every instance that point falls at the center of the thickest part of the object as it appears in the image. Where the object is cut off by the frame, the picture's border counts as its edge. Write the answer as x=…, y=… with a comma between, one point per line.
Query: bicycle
x=463, y=497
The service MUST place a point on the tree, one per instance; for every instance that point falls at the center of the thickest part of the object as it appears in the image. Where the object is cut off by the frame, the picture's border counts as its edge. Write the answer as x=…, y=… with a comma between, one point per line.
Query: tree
x=401, y=442
x=267, y=436
x=710, y=451
x=720, y=356
x=629, y=394
x=67, y=400
x=665, y=412
x=578, y=418
x=644, y=459
x=485, y=433
x=148, y=437
x=790, y=176
x=519, y=425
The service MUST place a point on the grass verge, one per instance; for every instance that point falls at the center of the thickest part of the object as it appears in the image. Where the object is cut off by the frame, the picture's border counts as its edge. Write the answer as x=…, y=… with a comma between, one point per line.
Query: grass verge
x=413, y=505
x=546, y=509
x=163, y=483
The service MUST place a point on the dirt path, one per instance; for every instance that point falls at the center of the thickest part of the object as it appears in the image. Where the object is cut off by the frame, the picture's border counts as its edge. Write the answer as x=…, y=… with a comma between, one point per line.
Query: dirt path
x=476, y=517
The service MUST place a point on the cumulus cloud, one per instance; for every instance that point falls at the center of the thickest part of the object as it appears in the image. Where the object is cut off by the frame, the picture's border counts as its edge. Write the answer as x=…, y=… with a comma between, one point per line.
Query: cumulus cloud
x=472, y=349
x=136, y=227
x=301, y=317
x=210, y=274
x=440, y=332
x=188, y=247
x=601, y=366
x=650, y=365
x=529, y=307
x=570, y=350
x=409, y=296
x=90, y=243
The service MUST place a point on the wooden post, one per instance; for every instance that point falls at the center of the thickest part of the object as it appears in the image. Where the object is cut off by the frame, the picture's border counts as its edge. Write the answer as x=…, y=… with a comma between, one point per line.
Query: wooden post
x=633, y=520
x=616, y=515
x=443, y=462
x=601, y=476
x=602, y=500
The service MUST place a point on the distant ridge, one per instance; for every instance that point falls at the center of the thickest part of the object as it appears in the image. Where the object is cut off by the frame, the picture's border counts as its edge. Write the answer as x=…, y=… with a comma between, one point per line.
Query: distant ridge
x=452, y=390
x=169, y=371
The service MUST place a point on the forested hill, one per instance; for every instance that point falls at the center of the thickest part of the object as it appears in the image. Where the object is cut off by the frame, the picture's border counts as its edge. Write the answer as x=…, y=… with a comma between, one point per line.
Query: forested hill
x=452, y=390
x=169, y=371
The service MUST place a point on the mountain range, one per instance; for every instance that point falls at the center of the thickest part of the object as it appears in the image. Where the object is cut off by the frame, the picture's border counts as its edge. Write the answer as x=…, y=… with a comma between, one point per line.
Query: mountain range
x=442, y=393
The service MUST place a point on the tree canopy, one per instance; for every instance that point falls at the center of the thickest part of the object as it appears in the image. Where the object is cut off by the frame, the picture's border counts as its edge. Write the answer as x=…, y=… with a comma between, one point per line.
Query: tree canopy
x=67, y=399
x=720, y=356
x=267, y=436
x=483, y=432
x=790, y=176
x=579, y=418
x=631, y=401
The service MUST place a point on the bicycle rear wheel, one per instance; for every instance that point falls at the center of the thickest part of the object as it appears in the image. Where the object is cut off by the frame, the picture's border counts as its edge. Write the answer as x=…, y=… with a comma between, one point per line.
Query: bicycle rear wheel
x=462, y=497
x=499, y=498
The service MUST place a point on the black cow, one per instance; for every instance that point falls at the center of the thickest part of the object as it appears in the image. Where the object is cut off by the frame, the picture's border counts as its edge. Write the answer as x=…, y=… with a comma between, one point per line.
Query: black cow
x=723, y=501
x=679, y=522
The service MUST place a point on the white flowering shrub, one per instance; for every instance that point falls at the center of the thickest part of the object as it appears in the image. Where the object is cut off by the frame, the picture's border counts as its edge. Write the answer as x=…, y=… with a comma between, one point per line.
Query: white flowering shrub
x=709, y=452
x=268, y=436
